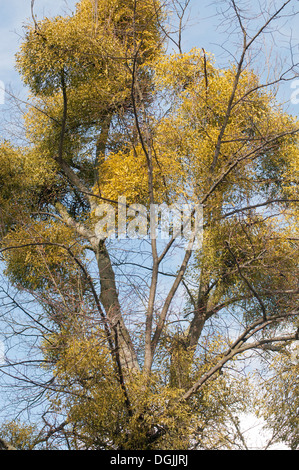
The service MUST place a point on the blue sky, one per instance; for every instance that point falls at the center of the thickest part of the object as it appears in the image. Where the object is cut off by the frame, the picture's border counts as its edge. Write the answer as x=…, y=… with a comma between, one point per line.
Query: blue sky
x=14, y=14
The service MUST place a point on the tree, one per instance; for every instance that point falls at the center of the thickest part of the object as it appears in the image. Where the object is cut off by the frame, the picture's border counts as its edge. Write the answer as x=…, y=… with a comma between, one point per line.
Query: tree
x=136, y=338
x=281, y=396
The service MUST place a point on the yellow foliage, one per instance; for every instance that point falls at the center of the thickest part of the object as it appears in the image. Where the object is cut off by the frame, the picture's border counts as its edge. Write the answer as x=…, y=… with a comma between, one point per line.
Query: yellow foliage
x=36, y=254
x=125, y=173
x=18, y=435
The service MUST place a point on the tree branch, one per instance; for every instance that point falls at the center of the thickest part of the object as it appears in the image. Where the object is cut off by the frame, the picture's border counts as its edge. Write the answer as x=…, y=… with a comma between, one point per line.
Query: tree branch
x=239, y=347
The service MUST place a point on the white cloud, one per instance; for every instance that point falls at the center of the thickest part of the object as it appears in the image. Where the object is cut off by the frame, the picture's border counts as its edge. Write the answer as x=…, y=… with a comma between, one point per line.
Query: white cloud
x=255, y=434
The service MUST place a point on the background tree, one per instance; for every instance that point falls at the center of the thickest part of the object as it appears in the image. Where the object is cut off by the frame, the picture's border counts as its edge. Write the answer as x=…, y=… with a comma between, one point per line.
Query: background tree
x=136, y=339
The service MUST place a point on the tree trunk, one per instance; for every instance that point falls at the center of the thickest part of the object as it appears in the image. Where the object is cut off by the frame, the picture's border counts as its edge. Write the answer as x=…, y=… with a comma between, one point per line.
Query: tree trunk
x=5, y=446
x=110, y=301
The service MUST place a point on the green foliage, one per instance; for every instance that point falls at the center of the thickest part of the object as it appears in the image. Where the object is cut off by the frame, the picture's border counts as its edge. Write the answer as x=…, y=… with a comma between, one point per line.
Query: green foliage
x=280, y=402
x=103, y=416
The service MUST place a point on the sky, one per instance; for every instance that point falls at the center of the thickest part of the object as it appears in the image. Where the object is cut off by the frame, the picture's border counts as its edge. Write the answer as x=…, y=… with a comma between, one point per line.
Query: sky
x=205, y=30
x=2, y=352
x=14, y=14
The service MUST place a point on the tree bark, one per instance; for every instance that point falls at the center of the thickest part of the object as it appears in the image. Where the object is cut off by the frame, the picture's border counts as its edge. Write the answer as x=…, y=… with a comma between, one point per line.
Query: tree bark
x=110, y=302
x=5, y=445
